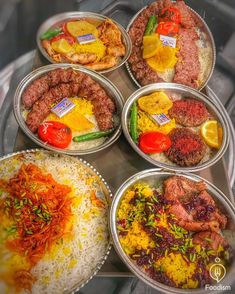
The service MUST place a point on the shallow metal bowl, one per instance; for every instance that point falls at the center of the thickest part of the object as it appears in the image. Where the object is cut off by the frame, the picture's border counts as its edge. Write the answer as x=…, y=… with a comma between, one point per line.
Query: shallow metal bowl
x=105, y=188
x=177, y=89
x=205, y=29
x=152, y=176
x=103, y=81
x=59, y=18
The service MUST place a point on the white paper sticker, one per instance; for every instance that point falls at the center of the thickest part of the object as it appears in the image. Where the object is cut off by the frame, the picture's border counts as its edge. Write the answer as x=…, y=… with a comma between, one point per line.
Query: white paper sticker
x=168, y=41
x=84, y=39
x=161, y=119
x=63, y=107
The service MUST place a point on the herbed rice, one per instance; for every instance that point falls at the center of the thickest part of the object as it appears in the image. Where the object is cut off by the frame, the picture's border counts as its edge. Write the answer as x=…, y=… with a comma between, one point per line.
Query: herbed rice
x=72, y=260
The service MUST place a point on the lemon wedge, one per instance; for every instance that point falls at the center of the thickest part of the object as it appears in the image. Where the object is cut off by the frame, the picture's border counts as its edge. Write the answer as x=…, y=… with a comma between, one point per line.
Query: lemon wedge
x=150, y=45
x=155, y=103
x=61, y=46
x=80, y=28
x=212, y=133
x=164, y=58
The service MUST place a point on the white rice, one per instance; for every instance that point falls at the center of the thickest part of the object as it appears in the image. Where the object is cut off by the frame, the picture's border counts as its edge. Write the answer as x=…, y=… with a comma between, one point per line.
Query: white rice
x=73, y=261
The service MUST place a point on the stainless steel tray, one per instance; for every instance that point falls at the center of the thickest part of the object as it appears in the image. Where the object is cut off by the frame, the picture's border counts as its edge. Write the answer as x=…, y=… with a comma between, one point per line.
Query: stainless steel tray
x=116, y=163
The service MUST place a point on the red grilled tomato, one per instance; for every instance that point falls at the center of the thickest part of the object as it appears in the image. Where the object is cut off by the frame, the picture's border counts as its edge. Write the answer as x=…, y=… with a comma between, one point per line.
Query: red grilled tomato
x=55, y=133
x=68, y=38
x=154, y=142
x=170, y=14
x=167, y=28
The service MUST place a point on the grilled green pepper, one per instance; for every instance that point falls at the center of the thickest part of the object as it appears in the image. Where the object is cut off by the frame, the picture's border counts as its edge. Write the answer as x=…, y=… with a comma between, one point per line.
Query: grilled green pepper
x=133, y=123
x=50, y=34
x=92, y=136
x=151, y=25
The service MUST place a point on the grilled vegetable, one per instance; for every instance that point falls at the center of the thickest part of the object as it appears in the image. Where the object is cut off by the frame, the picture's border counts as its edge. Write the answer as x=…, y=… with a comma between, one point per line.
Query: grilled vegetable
x=92, y=136
x=167, y=28
x=154, y=142
x=50, y=34
x=152, y=22
x=133, y=123
x=55, y=133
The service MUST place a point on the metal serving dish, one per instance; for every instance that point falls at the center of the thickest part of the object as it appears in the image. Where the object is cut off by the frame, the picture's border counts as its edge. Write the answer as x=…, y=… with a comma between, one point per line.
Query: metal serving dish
x=105, y=189
x=185, y=91
x=205, y=29
x=103, y=81
x=151, y=176
x=59, y=18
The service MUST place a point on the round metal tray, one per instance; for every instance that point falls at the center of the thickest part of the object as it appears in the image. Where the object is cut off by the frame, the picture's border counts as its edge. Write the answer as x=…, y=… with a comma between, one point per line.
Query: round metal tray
x=59, y=18
x=185, y=92
x=103, y=81
x=204, y=27
x=105, y=188
x=153, y=175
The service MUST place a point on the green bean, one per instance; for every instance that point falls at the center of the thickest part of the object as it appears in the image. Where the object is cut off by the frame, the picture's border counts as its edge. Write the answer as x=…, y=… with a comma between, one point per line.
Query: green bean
x=92, y=136
x=50, y=33
x=133, y=123
x=150, y=25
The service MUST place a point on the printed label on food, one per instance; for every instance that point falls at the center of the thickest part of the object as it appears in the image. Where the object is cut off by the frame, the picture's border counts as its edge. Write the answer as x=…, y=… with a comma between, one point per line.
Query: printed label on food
x=63, y=107
x=84, y=39
x=168, y=41
x=161, y=119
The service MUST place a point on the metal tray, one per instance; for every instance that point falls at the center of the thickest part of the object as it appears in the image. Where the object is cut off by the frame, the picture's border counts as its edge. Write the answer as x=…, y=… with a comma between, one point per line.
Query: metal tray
x=118, y=162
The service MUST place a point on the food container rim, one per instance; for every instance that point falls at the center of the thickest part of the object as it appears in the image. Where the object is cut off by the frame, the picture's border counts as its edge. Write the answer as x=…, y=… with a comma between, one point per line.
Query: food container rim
x=117, y=97
x=219, y=195
x=183, y=90
x=79, y=14
x=109, y=197
x=208, y=31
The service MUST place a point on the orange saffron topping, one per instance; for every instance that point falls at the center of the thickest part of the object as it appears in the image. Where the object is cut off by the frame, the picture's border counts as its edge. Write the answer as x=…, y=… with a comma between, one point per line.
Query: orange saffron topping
x=41, y=210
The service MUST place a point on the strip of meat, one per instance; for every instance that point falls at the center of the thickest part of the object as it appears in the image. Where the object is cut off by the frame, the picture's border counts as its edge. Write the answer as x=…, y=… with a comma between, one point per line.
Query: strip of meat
x=141, y=70
x=188, y=65
x=181, y=188
x=185, y=220
x=80, y=85
x=187, y=20
x=41, y=85
x=36, y=89
x=42, y=107
x=210, y=240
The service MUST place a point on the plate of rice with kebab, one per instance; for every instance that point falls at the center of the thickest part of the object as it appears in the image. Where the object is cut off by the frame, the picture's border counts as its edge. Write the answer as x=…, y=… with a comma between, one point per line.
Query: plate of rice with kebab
x=54, y=226
x=70, y=110
x=173, y=230
x=170, y=43
x=88, y=39
x=175, y=127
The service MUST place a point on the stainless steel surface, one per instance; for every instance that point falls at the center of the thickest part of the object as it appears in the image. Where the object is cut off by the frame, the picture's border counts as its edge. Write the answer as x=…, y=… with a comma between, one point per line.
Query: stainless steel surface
x=105, y=188
x=184, y=92
x=59, y=18
x=152, y=176
x=104, y=82
x=205, y=29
